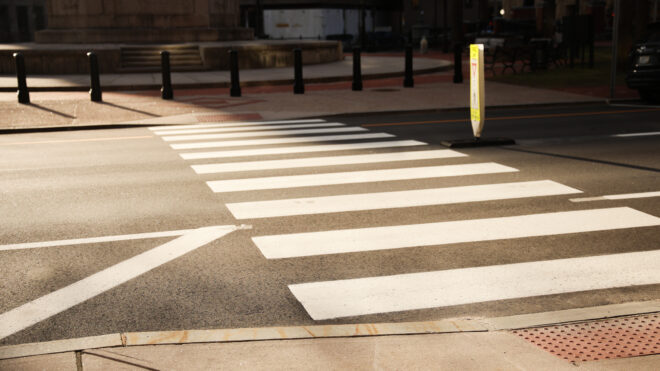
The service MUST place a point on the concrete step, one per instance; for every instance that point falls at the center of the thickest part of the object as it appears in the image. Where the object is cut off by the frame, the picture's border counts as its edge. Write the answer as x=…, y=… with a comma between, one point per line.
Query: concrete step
x=147, y=58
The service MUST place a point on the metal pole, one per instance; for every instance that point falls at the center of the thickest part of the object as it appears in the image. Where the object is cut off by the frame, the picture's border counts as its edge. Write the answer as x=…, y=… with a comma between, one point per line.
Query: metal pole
x=298, y=84
x=95, y=90
x=408, y=81
x=458, y=63
x=235, y=90
x=357, y=70
x=445, y=36
x=23, y=92
x=166, y=89
x=615, y=46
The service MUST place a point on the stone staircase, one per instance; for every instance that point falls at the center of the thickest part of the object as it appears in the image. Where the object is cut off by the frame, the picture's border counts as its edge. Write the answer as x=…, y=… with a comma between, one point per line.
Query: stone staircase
x=147, y=58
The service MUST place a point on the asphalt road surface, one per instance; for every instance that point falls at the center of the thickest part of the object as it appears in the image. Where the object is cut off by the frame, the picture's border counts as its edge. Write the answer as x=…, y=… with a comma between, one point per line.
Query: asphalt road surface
x=335, y=220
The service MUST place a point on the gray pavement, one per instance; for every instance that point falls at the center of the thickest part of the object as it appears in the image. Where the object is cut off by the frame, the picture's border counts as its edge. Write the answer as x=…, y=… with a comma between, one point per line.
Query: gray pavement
x=42, y=180
x=86, y=183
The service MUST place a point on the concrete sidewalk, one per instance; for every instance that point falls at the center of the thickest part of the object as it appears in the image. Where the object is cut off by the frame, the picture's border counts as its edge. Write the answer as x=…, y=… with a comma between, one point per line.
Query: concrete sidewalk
x=462, y=343
x=372, y=67
x=431, y=92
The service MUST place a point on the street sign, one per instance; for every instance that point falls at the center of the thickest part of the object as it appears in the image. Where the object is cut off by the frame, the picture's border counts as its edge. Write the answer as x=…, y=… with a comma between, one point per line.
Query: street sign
x=477, y=87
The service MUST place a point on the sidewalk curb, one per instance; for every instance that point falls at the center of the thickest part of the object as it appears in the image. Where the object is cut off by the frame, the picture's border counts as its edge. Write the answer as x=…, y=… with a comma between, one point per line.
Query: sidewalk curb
x=45, y=129
x=138, y=123
x=464, y=108
x=227, y=84
x=332, y=331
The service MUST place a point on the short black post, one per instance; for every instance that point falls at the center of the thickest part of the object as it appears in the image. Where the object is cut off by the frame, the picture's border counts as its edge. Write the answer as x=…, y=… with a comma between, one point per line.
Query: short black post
x=458, y=63
x=95, y=90
x=408, y=81
x=23, y=93
x=357, y=70
x=235, y=90
x=166, y=90
x=298, y=84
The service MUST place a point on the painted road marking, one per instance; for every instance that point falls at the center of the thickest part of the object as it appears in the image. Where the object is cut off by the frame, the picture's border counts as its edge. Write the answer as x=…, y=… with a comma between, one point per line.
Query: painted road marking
x=352, y=177
x=343, y=298
x=250, y=128
x=390, y=200
x=443, y=233
x=58, y=301
x=300, y=149
x=346, y=129
x=258, y=142
x=231, y=124
x=624, y=196
x=325, y=161
x=637, y=134
x=82, y=241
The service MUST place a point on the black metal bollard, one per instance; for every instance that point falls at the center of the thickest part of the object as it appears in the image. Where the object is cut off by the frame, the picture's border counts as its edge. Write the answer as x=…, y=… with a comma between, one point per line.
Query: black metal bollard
x=95, y=90
x=357, y=70
x=166, y=90
x=23, y=93
x=408, y=81
x=298, y=84
x=458, y=63
x=235, y=90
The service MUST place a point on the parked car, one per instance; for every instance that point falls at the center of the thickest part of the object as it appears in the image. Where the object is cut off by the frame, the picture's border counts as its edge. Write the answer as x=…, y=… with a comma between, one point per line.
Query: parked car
x=644, y=72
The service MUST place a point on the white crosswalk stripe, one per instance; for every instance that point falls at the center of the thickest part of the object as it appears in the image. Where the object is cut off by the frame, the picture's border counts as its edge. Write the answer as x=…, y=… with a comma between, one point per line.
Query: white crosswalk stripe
x=334, y=299
x=232, y=124
x=443, y=233
x=249, y=128
x=299, y=149
x=325, y=161
x=408, y=291
x=350, y=129
x=259, y=142
x=352, y=177
x=391, y=200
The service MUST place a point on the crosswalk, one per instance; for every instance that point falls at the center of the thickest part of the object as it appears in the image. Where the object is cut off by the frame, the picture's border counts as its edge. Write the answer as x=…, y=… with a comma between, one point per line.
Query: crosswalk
x=318, y=153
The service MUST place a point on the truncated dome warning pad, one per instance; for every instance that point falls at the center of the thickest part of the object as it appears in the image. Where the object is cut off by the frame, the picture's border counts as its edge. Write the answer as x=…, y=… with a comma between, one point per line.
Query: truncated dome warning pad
x=590, y=341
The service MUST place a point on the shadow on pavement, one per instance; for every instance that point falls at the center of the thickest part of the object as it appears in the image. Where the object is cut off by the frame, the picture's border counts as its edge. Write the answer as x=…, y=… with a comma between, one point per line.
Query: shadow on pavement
x=130, y=109
x=51, y=111
x=583, y=159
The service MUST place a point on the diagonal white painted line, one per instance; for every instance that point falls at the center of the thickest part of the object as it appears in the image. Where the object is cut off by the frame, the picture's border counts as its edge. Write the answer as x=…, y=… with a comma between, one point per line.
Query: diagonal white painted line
x=346, y=129
x=334, y=299
x=443, y=233
x=58, y=301
x=390, y=200
x=625, y=196
x=232, y=124
x=258, y=142
x=250, y=128
x=652, y=133
x=300, y=149
x=353, y=177
x=325, y=161
x=81, y=241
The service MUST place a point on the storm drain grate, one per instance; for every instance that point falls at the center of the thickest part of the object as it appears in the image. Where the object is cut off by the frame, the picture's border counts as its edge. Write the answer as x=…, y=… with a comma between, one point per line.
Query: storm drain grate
x=614, y=338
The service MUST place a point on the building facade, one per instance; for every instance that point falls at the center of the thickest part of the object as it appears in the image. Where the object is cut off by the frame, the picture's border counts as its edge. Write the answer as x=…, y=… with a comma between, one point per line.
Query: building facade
x=141, y=21
x=19, y=19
